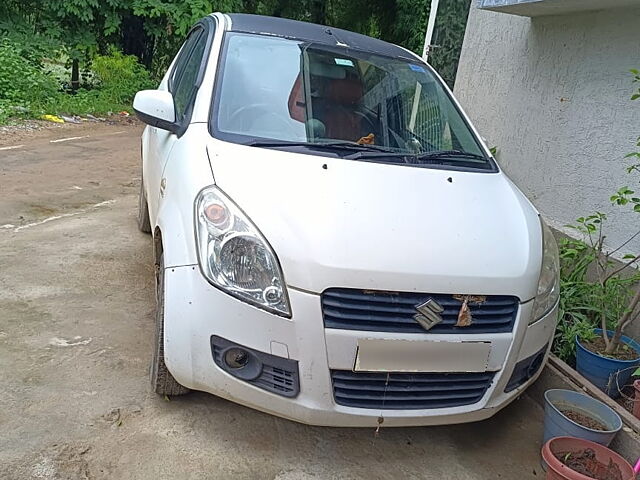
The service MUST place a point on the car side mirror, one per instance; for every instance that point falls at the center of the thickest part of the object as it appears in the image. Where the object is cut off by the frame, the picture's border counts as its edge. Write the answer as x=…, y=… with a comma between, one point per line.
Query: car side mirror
x=156, y=108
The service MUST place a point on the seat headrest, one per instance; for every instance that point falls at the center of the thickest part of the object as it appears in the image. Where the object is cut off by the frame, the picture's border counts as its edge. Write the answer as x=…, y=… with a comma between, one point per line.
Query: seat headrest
x=347, y=91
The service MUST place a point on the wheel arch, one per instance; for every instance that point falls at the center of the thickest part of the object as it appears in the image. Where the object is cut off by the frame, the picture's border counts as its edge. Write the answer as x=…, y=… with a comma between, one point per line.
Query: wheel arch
x=158, y=248
x=173, y=235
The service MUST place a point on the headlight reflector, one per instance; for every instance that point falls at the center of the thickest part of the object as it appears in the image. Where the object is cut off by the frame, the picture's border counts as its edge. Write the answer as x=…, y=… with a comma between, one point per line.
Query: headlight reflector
x=234, y=256
x=549, y=282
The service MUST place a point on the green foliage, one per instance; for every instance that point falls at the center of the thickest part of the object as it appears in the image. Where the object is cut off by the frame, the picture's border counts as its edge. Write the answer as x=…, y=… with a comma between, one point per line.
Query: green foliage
x=26, y=90
x=636, y=79
x=403, y=22
x=117, y=78
x=178, y=16
x=595, y=290
x=82, y=102
x=32, y=47
x=409, y=26
x=167, y=22
x=120, y=76
x=79, y=34
x=20, y=80
x=154, y=29
x=23, y=86
x=626, y=196
x=584, y=299
x=448, y=35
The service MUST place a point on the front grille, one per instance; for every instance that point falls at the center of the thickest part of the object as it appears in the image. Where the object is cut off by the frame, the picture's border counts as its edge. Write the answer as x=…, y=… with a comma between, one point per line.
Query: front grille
x=409, y=391
x=379, y=311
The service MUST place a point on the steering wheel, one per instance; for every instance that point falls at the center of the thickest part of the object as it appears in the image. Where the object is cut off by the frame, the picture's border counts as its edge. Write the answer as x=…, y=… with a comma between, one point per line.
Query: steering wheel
x=363, y=116
x=246, y=116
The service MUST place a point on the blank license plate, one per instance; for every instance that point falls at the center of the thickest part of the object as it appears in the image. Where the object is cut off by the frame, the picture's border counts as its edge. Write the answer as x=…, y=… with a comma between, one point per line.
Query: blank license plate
x=380, y=355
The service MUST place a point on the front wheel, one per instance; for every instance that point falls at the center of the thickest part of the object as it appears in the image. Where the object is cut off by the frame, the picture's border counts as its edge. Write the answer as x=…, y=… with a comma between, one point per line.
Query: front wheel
x=162, y=381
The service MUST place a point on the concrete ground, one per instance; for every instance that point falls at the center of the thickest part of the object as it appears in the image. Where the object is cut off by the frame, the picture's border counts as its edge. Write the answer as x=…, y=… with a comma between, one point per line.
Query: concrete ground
x=76, y=303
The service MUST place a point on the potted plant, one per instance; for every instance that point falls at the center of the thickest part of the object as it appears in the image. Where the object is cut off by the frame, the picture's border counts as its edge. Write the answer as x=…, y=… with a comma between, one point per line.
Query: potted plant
x=615, y=304
x=574, y=414
x=601, y=295
x=577, y=459
x=600, y=299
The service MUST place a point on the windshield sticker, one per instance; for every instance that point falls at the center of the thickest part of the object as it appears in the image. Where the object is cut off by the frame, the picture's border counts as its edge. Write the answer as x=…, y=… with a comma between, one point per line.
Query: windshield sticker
x=416, y=68
x=344, y=62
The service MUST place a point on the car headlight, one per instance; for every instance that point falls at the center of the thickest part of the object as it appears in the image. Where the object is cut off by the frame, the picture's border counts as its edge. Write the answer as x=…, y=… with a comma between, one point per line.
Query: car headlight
x=549, y=282
x=234, y=256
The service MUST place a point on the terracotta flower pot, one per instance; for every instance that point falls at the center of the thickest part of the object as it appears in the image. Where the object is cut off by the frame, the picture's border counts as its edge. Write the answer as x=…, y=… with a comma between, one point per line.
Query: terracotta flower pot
x=556, y=470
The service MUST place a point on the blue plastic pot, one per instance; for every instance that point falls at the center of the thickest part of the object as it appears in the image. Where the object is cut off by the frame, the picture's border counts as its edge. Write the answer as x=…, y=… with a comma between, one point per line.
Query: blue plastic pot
x=557, y=425
x=602, y=371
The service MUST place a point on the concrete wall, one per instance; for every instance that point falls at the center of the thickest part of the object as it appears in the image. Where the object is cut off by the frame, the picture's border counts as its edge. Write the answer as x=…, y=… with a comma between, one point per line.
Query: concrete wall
x=552, y=94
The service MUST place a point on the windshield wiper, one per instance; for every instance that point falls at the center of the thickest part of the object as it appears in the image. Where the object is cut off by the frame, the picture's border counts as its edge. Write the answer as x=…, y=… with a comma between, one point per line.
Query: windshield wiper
x=441, y=154
x=365, y=151
x=448, y=157
x=332, y=145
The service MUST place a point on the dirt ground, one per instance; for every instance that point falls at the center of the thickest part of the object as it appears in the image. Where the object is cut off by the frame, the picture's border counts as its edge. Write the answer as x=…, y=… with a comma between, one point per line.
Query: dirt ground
x=76, y=303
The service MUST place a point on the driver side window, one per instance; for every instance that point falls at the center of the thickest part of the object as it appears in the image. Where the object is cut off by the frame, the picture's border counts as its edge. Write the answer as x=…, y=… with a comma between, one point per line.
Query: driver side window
x=183, y=80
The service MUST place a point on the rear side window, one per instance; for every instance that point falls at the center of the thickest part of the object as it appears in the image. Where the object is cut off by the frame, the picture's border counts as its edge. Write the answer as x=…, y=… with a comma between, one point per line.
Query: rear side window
x=183, y=82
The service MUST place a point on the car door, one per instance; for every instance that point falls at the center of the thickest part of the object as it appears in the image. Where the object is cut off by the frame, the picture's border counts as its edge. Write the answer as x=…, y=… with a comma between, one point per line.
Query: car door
x=183, y=83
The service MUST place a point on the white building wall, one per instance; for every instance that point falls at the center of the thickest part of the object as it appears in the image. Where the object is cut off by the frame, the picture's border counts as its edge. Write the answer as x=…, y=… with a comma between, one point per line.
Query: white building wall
x=553, y=95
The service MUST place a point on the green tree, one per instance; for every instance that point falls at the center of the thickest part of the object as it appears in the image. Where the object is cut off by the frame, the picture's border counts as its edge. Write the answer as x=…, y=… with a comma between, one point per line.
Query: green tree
x=448, y=36
x=166, y=23
x=82, y=28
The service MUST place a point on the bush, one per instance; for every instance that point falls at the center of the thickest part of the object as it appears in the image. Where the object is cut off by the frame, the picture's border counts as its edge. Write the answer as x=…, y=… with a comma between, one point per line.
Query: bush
x=119, y=77
x=116, y=79
x=22, y=84
x=595, y=291
x=588, y=294
x=577, y=312
x=27, y=90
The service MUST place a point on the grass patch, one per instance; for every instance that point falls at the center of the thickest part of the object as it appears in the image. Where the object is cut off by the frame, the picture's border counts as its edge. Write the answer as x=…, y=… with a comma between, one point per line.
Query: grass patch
x=28, y=89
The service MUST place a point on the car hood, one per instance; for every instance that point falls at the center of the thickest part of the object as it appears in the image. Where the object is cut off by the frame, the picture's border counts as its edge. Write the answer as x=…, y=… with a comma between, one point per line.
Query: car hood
x=345, y=223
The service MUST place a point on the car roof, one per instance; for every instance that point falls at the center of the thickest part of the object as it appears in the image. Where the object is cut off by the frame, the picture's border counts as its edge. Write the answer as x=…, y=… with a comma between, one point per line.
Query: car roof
x=321, y=34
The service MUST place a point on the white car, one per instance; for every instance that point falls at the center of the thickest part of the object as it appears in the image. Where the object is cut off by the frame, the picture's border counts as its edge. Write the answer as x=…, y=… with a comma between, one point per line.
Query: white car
x=334, y=243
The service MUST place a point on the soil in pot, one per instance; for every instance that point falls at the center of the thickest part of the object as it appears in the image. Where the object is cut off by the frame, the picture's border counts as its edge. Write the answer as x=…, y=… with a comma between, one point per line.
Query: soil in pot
x=583, y=420
x=630, y=399
x=597, y=346
x=585, y=462
x=627, y=398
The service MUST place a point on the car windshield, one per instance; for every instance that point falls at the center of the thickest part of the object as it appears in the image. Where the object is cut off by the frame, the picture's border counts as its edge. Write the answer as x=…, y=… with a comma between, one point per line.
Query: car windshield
x=275, y=91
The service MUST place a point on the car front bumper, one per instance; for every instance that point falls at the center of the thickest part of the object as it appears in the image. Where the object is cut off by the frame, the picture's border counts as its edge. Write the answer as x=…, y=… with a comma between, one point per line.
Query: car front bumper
x=195, y=311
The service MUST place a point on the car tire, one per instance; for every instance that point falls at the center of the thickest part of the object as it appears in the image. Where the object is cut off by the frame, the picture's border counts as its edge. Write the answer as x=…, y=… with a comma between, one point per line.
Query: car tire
x=144, y=223
x=162, y=381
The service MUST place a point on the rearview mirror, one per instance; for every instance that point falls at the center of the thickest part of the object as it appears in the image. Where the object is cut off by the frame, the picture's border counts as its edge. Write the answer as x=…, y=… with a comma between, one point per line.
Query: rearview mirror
x=155, y=108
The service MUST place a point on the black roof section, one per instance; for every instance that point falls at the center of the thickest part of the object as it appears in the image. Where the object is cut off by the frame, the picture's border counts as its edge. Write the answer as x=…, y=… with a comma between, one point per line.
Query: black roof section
x=311, y=32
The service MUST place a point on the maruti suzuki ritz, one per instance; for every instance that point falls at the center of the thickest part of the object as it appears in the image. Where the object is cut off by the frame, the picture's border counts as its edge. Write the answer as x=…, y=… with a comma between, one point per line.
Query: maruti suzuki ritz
x=334, y=243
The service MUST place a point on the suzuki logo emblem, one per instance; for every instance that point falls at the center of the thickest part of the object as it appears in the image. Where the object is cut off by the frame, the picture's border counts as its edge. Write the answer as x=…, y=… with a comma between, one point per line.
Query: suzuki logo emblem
x=428, y=314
